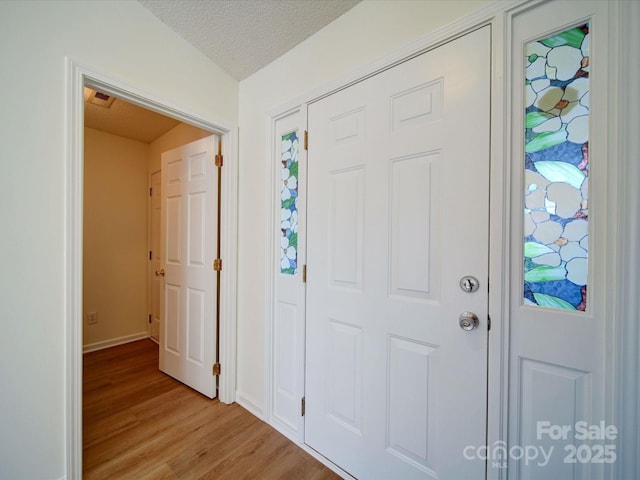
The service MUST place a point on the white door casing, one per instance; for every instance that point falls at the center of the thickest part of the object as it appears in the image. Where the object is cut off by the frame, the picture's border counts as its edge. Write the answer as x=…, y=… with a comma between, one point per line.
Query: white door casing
x=155, y=281
x=188, y=246
x=398, y=190
x=77, y=77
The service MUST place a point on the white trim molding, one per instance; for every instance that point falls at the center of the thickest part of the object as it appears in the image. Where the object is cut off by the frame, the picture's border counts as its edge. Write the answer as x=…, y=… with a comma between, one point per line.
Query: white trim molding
x=77, y=77
x=73, y=270
x=229, y=274
x=627, y=386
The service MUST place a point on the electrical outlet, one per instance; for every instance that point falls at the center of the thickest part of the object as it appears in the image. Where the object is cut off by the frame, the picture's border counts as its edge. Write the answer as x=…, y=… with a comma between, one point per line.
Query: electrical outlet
x=92, y=318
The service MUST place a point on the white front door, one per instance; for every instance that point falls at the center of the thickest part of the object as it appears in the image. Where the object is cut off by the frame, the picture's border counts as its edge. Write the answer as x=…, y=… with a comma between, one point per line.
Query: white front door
x=398, y=214
x=188, y=236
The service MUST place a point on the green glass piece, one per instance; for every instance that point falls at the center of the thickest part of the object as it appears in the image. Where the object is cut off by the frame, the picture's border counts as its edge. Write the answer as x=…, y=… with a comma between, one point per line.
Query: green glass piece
x=546, y=140
x=293, y=170
x=533, y=119
x=552, y=302
x=561, y=172
x=288, y=203
x=535, y=249
x=572, y=38
x=545, y=273
x=533, y=58
x=290, y=136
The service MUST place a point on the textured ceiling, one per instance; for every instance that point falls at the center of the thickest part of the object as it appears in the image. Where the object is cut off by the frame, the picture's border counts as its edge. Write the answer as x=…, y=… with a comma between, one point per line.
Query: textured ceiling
x=242, y=36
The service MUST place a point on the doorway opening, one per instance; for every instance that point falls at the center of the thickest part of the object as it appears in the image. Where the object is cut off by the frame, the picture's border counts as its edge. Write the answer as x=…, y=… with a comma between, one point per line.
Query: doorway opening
x=121, y=221
x=80, y=77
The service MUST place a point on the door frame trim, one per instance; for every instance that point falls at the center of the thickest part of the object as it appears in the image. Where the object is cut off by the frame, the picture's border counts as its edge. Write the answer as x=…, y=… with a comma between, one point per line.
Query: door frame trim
x=77, y=77
x=627, y=336
x=150, y=249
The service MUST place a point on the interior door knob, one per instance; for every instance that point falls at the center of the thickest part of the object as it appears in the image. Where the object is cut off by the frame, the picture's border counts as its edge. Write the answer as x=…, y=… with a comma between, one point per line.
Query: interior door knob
x=160, y=273
x=468, y=321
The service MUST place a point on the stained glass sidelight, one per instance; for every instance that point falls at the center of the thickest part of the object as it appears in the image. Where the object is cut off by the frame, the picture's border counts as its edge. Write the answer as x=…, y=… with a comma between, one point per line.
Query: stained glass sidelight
x=557, y=170
x=289, y=204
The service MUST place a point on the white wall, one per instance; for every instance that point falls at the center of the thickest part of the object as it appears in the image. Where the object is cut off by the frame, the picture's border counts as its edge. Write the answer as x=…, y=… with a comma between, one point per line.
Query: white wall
x=115, y=238
x=364, y=34
x=128, y=43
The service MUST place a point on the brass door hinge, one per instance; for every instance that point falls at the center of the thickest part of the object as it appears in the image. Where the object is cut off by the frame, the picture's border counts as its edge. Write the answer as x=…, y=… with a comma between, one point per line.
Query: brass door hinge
x=304, y=274
x=302, y=407
x=306, y=140
x=219, y=160
x=216, y=369
x=217, y=264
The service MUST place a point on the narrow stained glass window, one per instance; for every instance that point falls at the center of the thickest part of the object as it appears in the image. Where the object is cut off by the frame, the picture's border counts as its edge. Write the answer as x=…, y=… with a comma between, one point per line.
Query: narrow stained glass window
x=557, y=170
x=289, y=204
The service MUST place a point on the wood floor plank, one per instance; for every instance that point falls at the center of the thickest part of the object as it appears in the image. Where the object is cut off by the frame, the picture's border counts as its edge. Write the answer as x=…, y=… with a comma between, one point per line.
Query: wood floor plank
x=141, y=424
x=104, y=428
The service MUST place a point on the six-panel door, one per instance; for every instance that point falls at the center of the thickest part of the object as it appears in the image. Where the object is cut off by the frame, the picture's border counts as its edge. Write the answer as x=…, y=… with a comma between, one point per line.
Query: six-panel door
x=397, y=214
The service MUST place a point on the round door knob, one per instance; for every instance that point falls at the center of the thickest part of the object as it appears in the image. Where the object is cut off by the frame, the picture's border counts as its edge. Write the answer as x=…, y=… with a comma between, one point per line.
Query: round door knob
x=468, y=321
x=160, y=273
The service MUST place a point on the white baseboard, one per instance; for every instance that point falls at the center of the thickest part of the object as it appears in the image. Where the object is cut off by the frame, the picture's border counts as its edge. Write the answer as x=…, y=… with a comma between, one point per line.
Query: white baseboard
x=92, y=347
x=285, y=430
x=294, y=437
x=253, y=409
x=250, y=406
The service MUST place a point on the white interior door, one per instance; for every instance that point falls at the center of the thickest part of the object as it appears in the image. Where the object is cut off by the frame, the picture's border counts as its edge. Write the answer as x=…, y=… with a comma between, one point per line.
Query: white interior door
x=397, y=214
x=154, y=256
x=188, y=236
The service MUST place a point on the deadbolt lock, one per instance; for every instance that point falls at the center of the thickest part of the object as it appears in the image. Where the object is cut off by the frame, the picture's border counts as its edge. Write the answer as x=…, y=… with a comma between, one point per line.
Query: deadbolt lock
x=469, y=284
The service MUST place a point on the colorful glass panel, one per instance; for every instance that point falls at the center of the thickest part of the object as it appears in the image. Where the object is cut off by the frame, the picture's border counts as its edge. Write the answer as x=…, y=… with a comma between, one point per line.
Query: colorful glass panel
x=557, y=170
x=289, y=204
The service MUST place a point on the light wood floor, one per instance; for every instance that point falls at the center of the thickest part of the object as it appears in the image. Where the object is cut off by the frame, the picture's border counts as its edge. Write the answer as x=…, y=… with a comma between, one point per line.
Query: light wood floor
x=139, y=423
